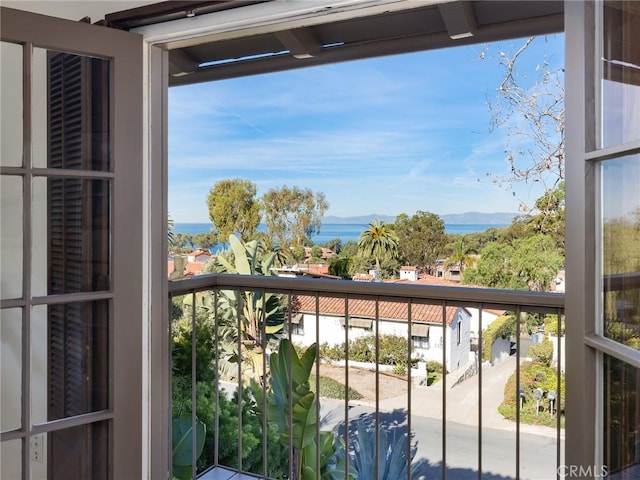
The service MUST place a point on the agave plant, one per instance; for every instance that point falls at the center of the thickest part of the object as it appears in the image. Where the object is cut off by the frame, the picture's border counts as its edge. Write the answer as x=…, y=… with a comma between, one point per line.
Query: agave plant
x=392, y=454
x=292, y=409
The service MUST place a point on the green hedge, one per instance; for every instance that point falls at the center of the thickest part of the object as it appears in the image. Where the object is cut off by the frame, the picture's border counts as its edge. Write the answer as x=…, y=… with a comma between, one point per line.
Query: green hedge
x=393, y=350
x=501, y=327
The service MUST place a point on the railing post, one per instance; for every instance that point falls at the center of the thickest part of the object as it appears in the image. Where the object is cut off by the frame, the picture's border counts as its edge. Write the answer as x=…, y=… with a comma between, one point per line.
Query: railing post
x=194, y=380
x=444, y=390
x=479, y=357
x=518, y=320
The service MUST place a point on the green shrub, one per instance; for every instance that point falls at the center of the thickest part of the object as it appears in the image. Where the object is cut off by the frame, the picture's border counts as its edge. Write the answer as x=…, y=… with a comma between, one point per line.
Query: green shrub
x=542, y=352
x=434, y=366
x=532, y=376
x=207, y=401
x=392, y=350
x=362, y=349
x=332, y=353
x=551, y=326
x=205, y=346
x=433, y=378
x=400, y=369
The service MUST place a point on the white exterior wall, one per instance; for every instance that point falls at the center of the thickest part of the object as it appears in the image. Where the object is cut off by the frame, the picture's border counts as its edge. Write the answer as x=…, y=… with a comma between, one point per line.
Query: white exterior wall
x=408, y=275
x=332, y=332
x=458, y=353
x=554, y=341
x=487, y=319
x=500, y=350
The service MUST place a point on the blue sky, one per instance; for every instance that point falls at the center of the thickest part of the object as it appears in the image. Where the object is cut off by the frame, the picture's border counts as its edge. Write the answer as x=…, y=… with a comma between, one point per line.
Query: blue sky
x=385, y=136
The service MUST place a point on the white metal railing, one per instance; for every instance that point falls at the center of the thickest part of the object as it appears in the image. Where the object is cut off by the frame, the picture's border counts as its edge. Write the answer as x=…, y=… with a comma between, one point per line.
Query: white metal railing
x=438, y=417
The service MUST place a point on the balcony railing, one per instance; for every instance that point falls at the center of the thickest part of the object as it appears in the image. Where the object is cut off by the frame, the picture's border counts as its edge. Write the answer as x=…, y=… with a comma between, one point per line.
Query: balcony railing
x=256, y=417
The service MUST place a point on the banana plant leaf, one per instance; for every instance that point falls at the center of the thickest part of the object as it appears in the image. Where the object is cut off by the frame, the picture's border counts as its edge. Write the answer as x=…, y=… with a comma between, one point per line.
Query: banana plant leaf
x=182, y=443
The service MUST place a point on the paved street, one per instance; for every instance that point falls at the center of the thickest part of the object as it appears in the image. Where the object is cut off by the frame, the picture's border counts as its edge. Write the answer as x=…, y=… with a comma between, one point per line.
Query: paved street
x=537, y=444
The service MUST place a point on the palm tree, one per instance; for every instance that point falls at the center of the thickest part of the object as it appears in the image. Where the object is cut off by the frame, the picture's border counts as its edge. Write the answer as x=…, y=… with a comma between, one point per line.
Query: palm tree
x=460, y=256
x=379, y=241
x=170, y=229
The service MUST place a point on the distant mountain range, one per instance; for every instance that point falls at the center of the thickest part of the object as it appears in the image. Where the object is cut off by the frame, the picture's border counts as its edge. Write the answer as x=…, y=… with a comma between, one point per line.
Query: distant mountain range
x=467, y=218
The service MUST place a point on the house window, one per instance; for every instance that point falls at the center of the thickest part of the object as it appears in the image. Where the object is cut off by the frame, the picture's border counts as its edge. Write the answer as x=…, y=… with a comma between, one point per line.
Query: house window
x=420, y=335
x=420, y=342
x=459, y=333
x=297, y=328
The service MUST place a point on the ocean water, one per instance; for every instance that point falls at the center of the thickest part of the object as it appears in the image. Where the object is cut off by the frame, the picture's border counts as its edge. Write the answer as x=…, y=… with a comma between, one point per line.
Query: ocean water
x=343, y=231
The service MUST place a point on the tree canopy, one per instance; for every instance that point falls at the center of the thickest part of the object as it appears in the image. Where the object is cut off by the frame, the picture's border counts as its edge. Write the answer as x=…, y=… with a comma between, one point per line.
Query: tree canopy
x=528, y=264
x=233, y=209
x=421, y=238
x=293, y=215
x=550, y=218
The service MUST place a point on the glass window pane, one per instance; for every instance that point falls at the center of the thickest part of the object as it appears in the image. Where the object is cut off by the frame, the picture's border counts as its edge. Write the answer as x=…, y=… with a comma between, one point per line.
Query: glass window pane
x=75, y=121
x=11, y=115
x=620, y=226
x=39, y=132
x=70, y=359
x=11, y=368
x=10, y=236
x=621, y=419
x=621, y=73
x=71, y=244
x=11, y=455
x=79, y=452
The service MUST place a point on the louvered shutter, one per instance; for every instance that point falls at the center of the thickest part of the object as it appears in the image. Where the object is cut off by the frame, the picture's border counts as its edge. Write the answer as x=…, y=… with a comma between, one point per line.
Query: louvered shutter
x=78, y=261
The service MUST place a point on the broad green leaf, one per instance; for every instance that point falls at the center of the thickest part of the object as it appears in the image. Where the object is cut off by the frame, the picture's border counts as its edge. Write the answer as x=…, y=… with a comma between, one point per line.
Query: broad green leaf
x=240, y=254
x=182, y=443
x=227, y=266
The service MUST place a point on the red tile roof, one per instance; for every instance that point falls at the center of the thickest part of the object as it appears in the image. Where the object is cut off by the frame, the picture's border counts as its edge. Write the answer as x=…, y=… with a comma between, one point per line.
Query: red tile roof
x=192, y=268
x=367, y=309
x=314, y=268
x=326, y=253
x=439, y=281
x=363, y=277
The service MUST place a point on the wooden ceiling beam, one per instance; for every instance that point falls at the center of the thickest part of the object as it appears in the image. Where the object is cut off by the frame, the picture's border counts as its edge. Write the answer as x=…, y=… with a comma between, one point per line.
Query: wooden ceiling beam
x=459, y=19
x=300, y=42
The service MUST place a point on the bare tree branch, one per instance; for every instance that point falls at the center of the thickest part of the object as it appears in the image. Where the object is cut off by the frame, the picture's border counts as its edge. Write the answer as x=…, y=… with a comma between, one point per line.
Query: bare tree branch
x=531, y=110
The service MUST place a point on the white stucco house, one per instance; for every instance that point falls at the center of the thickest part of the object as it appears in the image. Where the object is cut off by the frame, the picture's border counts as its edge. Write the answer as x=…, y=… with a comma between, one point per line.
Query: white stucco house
x=476, y=322
x=427, y=333
x=409, y=272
